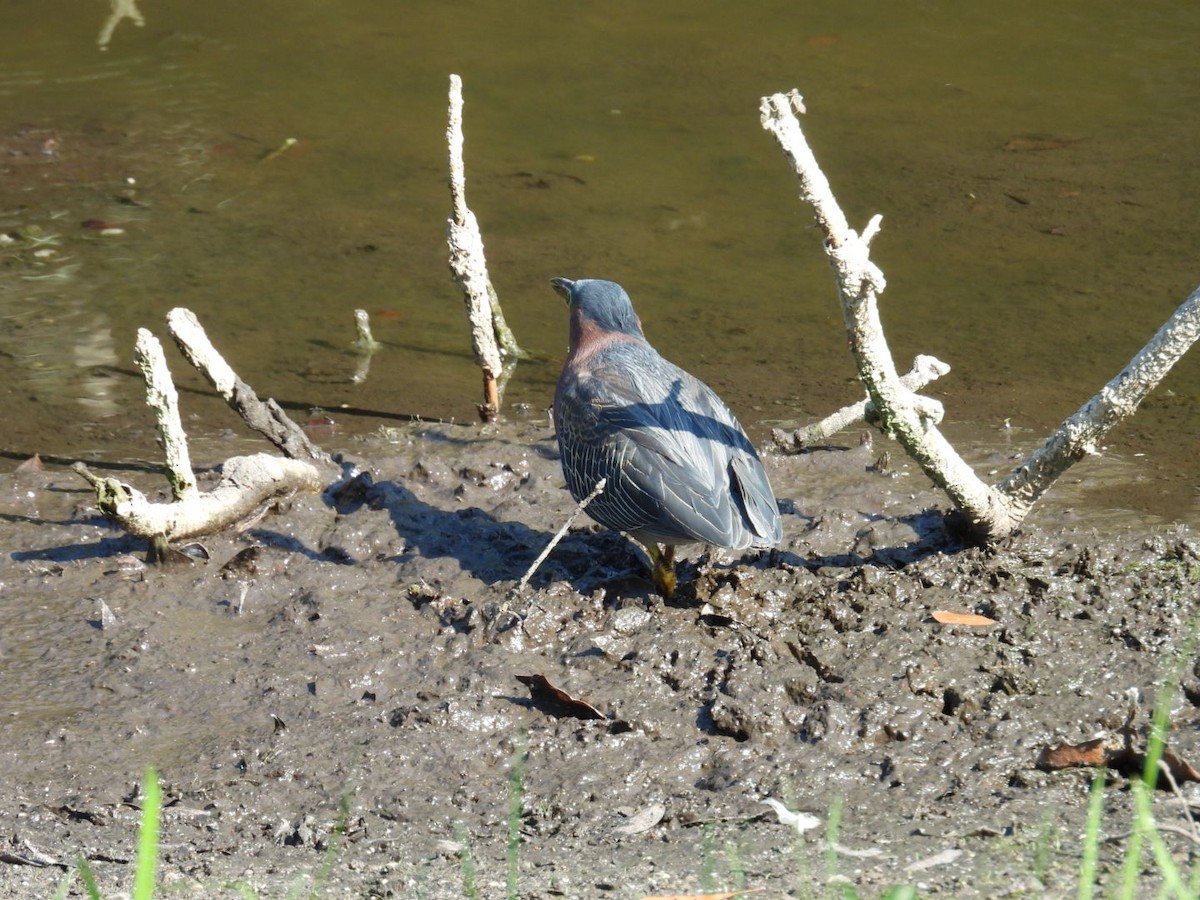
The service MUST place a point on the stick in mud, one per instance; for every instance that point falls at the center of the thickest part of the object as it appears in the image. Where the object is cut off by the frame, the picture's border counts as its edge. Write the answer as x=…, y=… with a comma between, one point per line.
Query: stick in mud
x=248, y=483
x=163, y=399
x=995, y=511
x=468, y=264
x=596, y=492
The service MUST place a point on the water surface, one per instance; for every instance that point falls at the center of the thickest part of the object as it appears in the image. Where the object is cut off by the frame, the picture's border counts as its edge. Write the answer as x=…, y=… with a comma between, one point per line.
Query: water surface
x=1035, y=166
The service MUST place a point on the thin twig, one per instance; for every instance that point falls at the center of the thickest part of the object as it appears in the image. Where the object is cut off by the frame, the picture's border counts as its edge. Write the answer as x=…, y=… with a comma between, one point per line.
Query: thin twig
x=1159, y=826
x=1165, y=770
x=925, y=369
x=596, y=492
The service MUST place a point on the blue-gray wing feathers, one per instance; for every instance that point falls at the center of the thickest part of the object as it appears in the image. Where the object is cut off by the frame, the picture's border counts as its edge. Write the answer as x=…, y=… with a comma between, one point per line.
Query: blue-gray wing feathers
x=679, y=467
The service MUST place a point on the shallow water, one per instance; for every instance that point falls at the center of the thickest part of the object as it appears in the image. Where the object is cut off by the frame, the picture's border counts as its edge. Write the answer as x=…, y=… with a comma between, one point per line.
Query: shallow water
x=1035, y=167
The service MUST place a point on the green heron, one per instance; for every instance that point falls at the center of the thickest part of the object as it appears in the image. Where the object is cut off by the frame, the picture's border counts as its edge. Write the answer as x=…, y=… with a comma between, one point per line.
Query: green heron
x=679, y=467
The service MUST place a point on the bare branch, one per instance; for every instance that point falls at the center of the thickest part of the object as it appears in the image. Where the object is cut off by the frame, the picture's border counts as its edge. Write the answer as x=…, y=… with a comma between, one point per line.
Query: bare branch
x=247, y=484
x=859, y=282
x=925, y=370
x=468, y=264
x=995, y=511
x=1081, y=434
x=163, y=399
x=265, y=417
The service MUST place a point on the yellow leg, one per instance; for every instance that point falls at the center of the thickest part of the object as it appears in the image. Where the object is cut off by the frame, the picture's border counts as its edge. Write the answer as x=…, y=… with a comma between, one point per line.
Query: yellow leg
x=663, y=571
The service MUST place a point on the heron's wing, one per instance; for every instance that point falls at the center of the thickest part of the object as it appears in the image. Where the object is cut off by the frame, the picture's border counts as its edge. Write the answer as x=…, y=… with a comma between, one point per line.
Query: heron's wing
x=679, y=467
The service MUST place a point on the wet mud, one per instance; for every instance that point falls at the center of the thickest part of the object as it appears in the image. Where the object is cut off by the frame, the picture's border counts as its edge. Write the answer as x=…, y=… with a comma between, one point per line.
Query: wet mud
x=336, y=696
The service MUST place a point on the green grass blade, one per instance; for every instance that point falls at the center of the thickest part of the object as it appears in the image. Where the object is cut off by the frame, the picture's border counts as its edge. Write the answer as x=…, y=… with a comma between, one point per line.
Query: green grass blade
x=737, y=872
x=466, y=861
x=1172, y=880
x=516, y=800
x=832, y=829
x=64, y=886
x=147, y=852
x=1047, y=838
x=1143, y=820
x=1091, y=838
x=332, y=845
x=89, y=879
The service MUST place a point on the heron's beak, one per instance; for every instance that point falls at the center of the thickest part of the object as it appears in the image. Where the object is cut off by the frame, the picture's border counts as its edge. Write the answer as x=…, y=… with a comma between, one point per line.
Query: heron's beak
x=562, y=287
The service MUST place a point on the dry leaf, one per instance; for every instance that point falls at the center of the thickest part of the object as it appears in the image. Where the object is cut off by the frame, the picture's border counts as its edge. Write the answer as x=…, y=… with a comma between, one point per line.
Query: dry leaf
x=953, y=618
x=644, y=820
x=1123, y=750
x=556, y=702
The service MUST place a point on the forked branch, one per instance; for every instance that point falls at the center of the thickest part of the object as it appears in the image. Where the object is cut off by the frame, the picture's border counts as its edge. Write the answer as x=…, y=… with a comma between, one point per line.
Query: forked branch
x=248, y=483
x=996, y=511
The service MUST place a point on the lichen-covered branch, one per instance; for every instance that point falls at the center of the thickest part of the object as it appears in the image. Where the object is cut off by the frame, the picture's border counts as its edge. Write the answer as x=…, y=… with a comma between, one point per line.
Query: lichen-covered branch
x=163, y=399
x=468, y=264
x=264, y=416
x=247, y=484
x=859, y=283
x=995, y=511
x=925, y=370
x=1080, y=435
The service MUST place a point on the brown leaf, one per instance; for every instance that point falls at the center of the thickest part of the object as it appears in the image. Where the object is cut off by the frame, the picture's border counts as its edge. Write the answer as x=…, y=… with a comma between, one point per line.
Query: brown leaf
x=1123, y=750
x=1181, y=770
x=555, y=702
x=1089, y=753
x=953, y=618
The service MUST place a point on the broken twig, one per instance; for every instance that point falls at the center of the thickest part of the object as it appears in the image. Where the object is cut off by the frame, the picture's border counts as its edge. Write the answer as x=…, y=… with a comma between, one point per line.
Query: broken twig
x=580, y=507
x=247, y=484
x=163, y=399
x=925, y=369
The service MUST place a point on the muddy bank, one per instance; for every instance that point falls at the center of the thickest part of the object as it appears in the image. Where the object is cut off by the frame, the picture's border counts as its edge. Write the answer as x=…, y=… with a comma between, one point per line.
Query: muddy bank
x=362, y=649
